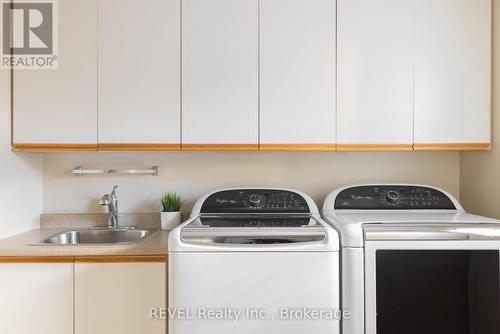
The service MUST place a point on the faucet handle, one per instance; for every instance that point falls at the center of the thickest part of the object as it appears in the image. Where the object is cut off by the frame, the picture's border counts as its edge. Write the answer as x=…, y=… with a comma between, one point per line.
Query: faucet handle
x=104, y=201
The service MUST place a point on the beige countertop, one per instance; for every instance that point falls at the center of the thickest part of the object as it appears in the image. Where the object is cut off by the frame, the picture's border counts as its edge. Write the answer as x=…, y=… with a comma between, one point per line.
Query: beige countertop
x=21, y=245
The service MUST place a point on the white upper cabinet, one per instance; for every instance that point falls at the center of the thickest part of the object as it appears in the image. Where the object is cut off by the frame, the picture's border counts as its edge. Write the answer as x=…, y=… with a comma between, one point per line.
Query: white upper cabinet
x=452, y=74
x=261, y=74
x=60, y=106
x=375, y=74
x=139, y=74
x=297, y=74
x=220, y=74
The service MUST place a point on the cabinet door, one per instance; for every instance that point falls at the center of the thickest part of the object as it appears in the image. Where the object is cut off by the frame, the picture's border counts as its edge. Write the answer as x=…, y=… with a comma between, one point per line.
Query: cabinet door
x=57, y=109
x=139, y=74
x=36, y=298
x=297, y=74
x=220, y=74
x=452, y=74
x=375, y=74
x=115, y=298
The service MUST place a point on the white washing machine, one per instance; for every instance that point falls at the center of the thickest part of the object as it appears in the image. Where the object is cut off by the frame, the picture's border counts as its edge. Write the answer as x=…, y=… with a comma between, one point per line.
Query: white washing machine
x=413, y=261
x=254, y=261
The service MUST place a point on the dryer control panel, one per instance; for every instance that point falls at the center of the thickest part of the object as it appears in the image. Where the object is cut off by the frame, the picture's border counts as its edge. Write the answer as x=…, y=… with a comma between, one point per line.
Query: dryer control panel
x=387, y=197
x=255, y=201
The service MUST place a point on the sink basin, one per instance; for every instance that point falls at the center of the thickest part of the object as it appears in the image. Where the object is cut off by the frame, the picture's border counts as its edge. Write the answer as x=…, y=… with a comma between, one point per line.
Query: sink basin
x=96, y=236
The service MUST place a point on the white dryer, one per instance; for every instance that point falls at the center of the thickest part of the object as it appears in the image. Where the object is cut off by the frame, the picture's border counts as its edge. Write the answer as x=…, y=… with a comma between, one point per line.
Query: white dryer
x=254, y=261
x=413, y=261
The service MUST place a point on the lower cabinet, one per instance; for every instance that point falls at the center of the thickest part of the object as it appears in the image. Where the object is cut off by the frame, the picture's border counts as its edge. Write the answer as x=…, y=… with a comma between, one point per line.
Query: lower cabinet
x=36, y=298
x=116, y=298
x=82, y=298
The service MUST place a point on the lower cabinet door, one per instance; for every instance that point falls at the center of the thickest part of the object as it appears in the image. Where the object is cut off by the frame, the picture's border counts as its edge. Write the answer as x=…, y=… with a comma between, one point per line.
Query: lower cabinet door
x=116, y=298
x=36, y=298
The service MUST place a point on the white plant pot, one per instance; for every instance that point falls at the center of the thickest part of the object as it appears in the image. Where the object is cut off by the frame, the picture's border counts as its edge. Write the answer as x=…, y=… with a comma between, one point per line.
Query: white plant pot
x=170, y=220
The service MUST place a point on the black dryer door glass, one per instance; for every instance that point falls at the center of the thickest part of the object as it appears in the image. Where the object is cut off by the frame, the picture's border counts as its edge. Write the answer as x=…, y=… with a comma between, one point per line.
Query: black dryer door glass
x=438, y=292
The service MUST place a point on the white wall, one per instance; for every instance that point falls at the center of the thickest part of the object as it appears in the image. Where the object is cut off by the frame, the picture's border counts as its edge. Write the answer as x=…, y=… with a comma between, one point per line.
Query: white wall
x=194, y=173
x=480, y=171
x=20, y=175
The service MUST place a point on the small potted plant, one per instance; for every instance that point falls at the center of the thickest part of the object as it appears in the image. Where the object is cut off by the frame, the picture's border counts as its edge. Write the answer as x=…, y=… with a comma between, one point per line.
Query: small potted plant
x=171, y=215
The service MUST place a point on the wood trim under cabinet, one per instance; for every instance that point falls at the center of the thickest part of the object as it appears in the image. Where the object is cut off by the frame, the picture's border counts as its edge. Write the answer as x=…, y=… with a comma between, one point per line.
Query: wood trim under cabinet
x=220, y=147
x=297, y=147
x=37, y=259
x=138, y=147
x=28, y=147
x=451, y=146
x=121, y=258
x=85, y=259
x=54, y=147
x=374, y=147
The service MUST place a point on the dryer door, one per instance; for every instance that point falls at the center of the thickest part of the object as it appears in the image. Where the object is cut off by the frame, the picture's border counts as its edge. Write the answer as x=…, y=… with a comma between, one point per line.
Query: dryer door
x=432, y=287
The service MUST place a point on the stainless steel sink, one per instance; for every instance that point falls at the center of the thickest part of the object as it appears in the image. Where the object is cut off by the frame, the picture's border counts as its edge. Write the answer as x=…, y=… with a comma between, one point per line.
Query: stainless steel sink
x=96, y=236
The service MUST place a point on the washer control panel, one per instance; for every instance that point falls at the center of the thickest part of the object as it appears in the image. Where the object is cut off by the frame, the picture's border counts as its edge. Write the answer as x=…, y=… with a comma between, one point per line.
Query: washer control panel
x=255, y=201
x=386, y=197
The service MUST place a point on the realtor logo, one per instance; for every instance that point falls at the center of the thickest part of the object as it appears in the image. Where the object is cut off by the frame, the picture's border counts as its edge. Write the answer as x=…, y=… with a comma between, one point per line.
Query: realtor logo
x=29, y=34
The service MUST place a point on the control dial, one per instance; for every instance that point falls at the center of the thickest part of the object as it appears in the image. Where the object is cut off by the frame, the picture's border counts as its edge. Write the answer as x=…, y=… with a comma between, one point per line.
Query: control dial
x=254, y=200
x=392, y=196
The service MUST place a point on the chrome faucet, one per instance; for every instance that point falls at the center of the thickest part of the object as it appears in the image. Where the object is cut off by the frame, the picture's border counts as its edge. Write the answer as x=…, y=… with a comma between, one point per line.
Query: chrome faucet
x=111, y=201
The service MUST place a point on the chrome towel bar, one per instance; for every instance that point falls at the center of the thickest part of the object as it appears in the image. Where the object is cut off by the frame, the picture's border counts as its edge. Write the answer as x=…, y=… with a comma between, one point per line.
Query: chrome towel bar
x=79, y=171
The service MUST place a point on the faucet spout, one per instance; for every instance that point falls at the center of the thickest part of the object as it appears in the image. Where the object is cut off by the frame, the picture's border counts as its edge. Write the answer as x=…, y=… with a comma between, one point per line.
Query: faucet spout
x=111, y=201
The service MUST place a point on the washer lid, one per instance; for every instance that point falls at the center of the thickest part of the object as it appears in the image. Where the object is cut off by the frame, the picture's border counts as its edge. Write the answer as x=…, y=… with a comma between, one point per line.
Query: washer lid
x=256, y=220
x=213, y=230
x=250, y=233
